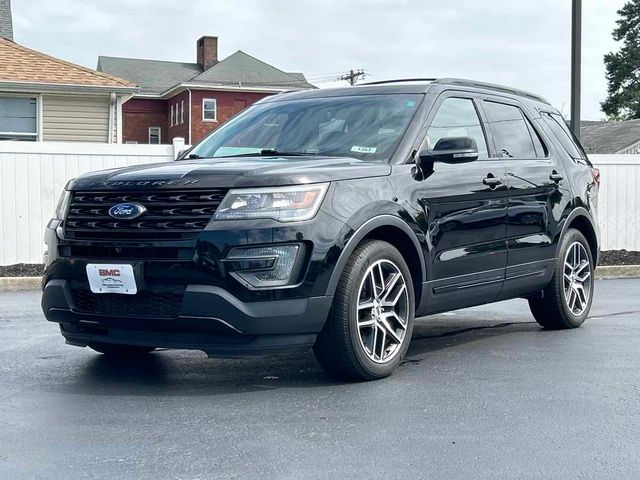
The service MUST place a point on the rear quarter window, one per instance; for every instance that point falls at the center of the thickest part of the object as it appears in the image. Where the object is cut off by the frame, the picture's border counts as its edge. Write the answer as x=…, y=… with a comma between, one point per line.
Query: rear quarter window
x=565, y=136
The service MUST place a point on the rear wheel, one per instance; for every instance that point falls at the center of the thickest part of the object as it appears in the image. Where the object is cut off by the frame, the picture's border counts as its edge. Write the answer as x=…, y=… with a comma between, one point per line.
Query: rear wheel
x=371, y=320
x=566, y=301
x=115, y=350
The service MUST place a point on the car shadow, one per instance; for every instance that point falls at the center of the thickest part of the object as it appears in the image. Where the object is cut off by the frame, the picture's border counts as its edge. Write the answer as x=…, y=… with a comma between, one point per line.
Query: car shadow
x=187, y=373
x=426, y=340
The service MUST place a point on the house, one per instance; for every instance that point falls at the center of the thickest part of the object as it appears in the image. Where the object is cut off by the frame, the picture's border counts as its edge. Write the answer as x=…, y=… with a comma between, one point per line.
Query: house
x=190, y=100
x=46, y=99
x=611, y=137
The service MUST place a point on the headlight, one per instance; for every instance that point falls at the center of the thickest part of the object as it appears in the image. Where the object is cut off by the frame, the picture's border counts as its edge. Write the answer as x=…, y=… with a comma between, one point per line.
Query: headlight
x=284, y=204
x=63, y=205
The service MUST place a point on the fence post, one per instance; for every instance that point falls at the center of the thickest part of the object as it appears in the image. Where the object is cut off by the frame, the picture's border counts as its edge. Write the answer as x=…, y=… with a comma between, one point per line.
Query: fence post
x=178, y=146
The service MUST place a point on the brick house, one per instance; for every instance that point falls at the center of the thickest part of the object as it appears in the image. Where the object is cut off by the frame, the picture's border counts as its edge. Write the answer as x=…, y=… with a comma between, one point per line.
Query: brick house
x=190, y=100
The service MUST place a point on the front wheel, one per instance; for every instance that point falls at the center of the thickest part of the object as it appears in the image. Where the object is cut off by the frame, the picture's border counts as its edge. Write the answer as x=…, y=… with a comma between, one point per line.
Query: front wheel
x=115, y=350
x=566, y=301
x=371, y=320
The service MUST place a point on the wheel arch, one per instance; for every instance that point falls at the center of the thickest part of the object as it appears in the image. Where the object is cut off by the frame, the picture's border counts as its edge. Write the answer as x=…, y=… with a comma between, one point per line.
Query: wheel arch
x=581, y=220
x=394, y=231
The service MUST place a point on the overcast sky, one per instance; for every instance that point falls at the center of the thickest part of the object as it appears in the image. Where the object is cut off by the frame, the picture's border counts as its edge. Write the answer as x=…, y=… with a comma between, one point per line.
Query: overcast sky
x=522, y=43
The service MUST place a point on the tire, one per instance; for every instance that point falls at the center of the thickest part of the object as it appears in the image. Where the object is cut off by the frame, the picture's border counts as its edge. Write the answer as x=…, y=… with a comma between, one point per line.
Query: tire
x=559, y=306
x=362, y=343
x=116, y=350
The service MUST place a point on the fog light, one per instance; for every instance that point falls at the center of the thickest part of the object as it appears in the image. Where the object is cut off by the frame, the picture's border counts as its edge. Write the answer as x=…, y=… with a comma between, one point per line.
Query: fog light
x=261, y=267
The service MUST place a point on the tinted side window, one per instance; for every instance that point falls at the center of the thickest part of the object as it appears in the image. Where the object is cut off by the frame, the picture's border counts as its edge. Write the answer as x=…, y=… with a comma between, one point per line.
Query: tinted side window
x=565, y=136
x=457, y=117
x=510, y=130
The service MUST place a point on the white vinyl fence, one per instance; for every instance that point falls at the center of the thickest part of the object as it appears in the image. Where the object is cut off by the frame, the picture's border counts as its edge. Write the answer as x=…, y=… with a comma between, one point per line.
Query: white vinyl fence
x=619, y=201
x=32, y=175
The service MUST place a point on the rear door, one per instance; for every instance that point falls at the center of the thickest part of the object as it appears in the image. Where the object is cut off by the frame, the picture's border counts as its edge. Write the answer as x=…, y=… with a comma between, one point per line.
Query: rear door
x=535, y=177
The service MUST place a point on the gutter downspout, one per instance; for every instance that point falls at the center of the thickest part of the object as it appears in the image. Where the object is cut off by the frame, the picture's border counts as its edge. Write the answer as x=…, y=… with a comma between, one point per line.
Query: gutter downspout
x=40, y=118
x=112, y=101
x=189, y=90
x=119, y=119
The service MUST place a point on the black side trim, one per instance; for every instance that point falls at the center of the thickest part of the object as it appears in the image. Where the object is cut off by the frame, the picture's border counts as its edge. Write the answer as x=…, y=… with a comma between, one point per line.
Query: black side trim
x=466, y=285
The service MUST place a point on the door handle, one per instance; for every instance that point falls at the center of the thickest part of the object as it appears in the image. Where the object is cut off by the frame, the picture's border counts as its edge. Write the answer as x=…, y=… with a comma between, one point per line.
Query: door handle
x=492, y=182
x=556, y=177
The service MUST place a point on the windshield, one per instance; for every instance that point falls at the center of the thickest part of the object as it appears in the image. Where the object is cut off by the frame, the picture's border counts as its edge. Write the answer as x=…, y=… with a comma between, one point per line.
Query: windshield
x=367, y=127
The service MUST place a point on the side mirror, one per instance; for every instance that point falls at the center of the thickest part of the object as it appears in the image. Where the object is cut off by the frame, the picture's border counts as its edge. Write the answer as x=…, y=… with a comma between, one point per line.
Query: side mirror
x=451, y=150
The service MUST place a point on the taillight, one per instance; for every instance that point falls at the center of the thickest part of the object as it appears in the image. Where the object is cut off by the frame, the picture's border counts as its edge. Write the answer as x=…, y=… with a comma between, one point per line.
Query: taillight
x=596, y=176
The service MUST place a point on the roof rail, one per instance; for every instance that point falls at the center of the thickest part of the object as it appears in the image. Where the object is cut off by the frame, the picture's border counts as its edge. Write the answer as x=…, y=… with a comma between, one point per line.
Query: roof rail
x=463, y=83
x=490, y=86
x=399, y=80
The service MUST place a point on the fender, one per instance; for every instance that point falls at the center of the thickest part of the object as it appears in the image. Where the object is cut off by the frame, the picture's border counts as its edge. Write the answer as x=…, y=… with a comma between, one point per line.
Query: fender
x=363, y=231
x=575, y=213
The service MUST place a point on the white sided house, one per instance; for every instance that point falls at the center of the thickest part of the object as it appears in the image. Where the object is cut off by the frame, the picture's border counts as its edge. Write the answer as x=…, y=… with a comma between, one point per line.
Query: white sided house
x=45, y=99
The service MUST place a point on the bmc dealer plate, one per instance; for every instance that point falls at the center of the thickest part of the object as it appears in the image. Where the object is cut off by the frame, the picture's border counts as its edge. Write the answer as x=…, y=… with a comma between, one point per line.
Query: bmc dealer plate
x=111, y=278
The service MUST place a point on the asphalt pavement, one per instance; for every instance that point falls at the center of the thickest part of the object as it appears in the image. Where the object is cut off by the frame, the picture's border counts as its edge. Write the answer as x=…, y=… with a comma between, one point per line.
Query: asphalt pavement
x=484, y=393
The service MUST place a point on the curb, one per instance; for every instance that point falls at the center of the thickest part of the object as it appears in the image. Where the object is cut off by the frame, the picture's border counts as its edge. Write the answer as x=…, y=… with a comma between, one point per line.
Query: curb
x=619, y=271
x=19, y=284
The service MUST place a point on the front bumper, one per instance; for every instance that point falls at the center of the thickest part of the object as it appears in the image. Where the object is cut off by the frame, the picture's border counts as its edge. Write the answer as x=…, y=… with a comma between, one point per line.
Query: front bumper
x=210, y=319
x=188, y=296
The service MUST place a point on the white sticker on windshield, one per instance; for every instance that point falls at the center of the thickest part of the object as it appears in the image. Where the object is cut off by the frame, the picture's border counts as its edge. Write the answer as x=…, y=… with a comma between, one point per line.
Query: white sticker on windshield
x=357, y=149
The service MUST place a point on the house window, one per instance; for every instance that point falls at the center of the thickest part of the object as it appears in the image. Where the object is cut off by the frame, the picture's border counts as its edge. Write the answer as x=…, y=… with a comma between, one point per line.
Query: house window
x=209, y=110
x=18, y=118
x=155, y=136
x=182, y=111
x=171, y=119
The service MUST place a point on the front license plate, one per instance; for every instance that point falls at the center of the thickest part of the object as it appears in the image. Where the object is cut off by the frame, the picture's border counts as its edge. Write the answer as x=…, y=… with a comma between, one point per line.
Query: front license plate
x=111, y=278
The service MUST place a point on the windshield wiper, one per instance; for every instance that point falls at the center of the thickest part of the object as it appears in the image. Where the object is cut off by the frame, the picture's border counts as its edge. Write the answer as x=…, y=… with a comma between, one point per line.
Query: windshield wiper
x=271, y=152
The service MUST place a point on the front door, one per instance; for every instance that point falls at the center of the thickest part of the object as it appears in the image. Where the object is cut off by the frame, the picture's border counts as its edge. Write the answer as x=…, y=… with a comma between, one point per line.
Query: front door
x=466, y=209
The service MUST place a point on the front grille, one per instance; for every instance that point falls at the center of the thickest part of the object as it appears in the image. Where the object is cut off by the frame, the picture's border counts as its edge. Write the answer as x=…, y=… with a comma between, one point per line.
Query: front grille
x=170, y=215
x=156, y=301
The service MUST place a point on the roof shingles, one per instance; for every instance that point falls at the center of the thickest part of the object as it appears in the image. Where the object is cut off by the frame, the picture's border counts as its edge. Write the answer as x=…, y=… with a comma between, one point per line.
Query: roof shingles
x=237, y=70
x=609, y=137
x=153, y=76
x=242, y=69
x=21, y=64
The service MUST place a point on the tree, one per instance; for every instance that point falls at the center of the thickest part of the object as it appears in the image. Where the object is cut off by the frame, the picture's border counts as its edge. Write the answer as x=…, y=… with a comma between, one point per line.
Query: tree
x=623, y=67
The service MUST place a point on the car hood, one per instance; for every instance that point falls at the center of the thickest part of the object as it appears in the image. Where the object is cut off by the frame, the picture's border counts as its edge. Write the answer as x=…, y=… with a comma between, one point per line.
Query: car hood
x=231, y=172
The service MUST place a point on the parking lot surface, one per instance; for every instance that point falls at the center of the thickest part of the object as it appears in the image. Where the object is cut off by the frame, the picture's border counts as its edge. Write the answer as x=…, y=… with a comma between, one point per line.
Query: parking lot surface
x=483, y=393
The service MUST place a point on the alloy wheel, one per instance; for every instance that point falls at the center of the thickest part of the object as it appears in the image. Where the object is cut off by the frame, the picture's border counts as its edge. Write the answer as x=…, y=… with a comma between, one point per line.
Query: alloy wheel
x=383, y=311
x=578, y=279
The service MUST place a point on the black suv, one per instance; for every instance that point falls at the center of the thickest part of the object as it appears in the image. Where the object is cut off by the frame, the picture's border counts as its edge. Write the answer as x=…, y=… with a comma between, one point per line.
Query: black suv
x=331, y=218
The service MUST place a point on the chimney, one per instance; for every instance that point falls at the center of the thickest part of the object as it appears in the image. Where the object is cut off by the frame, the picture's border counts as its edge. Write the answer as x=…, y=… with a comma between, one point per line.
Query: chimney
x=207, y=51
x=6, y=24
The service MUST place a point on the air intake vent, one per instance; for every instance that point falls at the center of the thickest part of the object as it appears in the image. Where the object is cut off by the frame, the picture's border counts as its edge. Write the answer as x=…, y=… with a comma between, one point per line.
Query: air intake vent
x=155, y=301
x=169, y=215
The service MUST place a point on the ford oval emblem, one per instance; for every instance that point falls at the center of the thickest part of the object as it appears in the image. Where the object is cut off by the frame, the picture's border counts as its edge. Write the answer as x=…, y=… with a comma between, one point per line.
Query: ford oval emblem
x=127, y=211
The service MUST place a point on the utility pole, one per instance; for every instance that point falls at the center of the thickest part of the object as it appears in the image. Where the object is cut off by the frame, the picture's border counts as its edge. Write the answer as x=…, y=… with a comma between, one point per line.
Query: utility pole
x=576, y=65
x=353, y=76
